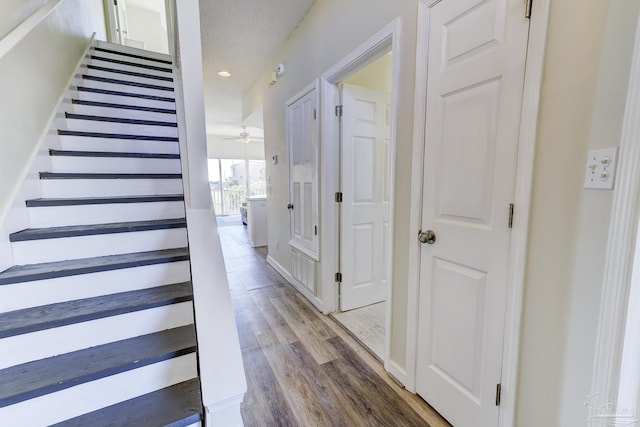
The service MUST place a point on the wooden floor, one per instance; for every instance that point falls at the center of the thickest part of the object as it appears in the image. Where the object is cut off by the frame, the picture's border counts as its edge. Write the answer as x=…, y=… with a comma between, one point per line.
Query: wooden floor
x=302, y=368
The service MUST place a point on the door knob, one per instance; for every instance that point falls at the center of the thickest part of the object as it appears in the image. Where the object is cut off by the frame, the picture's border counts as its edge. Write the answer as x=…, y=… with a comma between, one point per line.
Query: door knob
x=428, y=237
x=290, y=206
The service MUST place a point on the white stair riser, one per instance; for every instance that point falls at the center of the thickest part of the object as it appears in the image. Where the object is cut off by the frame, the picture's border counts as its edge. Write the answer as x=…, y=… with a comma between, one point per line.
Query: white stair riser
x=132, y=50
x=63, y=188
x=80, y=143
x=51, y=291
x=126, y=88
x=124, y=100
x=121, y=128
x=91, y=396
x=62, y=249
x=129, y=78
x=130, y=59
x=58, y=216
x=52, y=342
x=113, y=165
x=91, y=110
x=134, y=69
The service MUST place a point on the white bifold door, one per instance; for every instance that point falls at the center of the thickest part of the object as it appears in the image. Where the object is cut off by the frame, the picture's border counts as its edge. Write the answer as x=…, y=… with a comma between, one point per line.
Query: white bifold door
x=364, y=237
x=302, y=141
x=476, y=59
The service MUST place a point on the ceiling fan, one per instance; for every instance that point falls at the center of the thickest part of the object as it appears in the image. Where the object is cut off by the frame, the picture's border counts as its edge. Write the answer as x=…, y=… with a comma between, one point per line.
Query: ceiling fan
x=244, y=137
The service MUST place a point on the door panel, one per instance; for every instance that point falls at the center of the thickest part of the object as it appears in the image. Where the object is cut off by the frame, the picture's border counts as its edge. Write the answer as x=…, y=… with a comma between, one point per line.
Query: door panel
x=476, y=58
x=302, y=137
x=366, y=136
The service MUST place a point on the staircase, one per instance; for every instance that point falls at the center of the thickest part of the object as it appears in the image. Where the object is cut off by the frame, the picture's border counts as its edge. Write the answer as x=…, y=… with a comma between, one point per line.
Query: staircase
x=96, y=315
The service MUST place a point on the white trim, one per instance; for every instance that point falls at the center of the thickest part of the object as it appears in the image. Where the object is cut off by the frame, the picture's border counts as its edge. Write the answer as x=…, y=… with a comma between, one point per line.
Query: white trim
x=387, y=39
x=621, y=244
x=317, y=303
x=225, y=413
x=522, y=200
x=110, y=22
x=397, y=372
x=12, y=39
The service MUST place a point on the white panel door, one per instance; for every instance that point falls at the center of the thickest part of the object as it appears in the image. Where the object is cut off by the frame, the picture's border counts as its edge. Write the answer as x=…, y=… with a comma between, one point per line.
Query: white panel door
x=476, y=58
x=364, y=237
x=302, y=139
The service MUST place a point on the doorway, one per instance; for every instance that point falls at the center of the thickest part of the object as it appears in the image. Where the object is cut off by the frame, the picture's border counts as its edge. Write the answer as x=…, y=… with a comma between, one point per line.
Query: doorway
x=364, y=87
x=142, y=24
x=365, y=211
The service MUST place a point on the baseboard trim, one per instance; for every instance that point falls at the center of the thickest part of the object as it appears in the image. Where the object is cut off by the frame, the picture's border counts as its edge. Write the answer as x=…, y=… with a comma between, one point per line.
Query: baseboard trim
x=293, y=282
x=398, y=373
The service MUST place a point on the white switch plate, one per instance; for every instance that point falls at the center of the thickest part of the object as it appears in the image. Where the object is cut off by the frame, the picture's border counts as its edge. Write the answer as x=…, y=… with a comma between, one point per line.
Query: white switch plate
x=601, y=168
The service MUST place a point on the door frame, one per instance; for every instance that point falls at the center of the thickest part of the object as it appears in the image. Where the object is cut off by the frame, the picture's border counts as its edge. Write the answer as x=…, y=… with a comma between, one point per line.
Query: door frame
x=111, y=22
x=621, y=245
x=522, y=200
x=385, y=40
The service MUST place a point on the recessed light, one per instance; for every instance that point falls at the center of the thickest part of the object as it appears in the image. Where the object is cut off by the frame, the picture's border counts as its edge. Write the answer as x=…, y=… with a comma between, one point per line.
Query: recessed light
x=224, y=74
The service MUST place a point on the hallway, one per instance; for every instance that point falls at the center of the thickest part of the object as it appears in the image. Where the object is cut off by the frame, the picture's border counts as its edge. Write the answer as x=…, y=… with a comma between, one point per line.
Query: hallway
x=302, y=368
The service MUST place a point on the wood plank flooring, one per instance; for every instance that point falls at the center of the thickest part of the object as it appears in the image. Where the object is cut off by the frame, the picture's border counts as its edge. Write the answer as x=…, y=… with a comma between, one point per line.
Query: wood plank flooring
x=302, y=368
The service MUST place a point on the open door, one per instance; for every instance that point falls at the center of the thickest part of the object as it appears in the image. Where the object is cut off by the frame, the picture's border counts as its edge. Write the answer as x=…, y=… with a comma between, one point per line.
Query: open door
x=365, y=234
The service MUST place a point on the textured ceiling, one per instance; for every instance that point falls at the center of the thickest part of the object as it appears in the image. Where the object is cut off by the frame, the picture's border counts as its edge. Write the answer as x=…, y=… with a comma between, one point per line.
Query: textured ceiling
x=241, y=36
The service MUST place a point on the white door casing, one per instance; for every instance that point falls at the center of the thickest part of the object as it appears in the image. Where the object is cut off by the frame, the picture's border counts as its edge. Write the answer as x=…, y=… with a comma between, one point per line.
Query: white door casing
x=302, y=143
x=476, y=61
x=366, y=163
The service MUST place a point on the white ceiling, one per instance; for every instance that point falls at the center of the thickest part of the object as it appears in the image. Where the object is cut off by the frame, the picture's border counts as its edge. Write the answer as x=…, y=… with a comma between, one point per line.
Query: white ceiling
x=241, y=36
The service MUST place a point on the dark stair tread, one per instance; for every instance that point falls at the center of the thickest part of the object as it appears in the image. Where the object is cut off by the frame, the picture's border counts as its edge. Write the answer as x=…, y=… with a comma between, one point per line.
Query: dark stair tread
x=126, y=83
x=127, y=94
x=129, y=73
x=117, y=136
x=73, y=116
x=123, y=106
x=96, y=229
x=51, y=270
x=45, y=376
x=131, y=64
x=103, y=200
x=69, y=175
x=70, y=312
x=176, y=406
x=118, y=154
x=132, y=55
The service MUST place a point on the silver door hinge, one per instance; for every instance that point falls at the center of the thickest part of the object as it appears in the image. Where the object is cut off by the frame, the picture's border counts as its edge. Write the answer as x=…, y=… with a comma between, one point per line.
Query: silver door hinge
x=527, y=8
x=339, y=197
x=510, y=215
x=498, y=393
x=339, y=277
x=338, y=110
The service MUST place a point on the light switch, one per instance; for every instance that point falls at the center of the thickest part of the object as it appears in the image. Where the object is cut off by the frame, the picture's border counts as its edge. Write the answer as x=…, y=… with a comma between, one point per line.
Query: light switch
x=601, y=168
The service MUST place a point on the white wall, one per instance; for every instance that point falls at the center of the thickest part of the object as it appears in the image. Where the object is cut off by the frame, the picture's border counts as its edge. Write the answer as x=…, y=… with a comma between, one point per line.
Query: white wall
x=583, y=96
x=16, y=11
x=33, y=76
x=376, y=75
x=146, y=25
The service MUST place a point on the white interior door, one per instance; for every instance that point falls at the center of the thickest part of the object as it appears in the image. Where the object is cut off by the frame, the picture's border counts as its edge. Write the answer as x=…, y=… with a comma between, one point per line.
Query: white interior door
x=476, y=58
x=302, y=141
x=364, y=237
